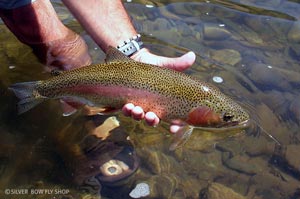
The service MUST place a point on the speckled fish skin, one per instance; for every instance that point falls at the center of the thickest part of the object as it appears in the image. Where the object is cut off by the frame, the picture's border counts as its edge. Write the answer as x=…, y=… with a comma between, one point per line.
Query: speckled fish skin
x=170, y=94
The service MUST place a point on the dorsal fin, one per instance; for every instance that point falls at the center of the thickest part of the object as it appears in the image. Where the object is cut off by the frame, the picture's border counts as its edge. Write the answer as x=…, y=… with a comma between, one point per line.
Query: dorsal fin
x=114, y=55
x=56, y=72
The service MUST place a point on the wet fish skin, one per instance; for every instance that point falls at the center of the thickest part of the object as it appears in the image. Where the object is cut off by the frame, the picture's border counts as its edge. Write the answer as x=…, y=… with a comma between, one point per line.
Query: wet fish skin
x=170, y=94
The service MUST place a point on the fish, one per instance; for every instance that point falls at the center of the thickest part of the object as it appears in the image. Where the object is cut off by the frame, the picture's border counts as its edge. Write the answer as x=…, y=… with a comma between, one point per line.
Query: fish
x=171, y=95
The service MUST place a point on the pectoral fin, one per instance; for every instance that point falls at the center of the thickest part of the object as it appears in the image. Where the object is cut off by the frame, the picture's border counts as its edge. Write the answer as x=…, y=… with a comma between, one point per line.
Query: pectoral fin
x=181, y=137
x=68, y=107
x=89, y=110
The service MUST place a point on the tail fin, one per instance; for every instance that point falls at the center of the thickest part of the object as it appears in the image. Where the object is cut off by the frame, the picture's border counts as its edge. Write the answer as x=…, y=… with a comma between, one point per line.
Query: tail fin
x=25, y=91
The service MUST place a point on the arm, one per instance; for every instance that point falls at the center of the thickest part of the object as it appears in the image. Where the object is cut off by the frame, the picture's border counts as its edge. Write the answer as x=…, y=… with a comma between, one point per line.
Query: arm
x=33, y=24
x=106, y=21
x=108, y=24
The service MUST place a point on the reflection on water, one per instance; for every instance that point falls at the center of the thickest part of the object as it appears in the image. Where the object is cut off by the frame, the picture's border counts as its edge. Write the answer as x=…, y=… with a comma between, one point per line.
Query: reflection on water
x=253, y=46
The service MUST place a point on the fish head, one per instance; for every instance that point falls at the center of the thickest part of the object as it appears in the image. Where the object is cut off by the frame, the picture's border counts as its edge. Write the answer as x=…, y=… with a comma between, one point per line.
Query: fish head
x=234, y=116
x=211, y=116
x=205, y=116
x=217, y=110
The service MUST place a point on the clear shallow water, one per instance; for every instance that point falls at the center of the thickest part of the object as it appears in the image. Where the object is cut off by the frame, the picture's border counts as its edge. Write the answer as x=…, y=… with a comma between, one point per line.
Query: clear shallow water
x=254, y=46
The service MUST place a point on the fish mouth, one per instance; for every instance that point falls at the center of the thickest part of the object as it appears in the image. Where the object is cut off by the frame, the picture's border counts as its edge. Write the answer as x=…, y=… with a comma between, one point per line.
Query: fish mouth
x=227, y=126
x=235, y=124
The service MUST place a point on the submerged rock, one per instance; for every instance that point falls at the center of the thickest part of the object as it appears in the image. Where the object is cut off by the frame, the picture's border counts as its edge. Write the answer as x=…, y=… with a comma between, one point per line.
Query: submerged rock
x=255, y=146
x=273, y=184
x=159, y=163
x=219, y=191
x=295, y=109
x=243, y=164
x=141, y=190
x=272, y=124
x=158, y=186
x=294, y=51
x=205, y=166
x=292, y=156
x=215, y=32
x=226, y=56
x=277, y=101
x=268, y=77
x=189, y=9
x=293, y=35
x=165, y=185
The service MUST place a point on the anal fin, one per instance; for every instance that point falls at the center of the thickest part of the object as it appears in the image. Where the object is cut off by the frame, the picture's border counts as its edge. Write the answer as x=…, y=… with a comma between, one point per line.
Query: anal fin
x=94, y=110
x=181, y=137
x=68, y=108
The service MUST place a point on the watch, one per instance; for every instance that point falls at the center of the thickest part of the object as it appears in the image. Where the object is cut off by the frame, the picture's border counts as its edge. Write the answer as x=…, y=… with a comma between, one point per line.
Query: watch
x=131, y=46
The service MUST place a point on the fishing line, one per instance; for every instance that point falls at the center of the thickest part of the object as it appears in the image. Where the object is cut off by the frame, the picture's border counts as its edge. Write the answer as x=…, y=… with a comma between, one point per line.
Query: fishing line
x=253, y=122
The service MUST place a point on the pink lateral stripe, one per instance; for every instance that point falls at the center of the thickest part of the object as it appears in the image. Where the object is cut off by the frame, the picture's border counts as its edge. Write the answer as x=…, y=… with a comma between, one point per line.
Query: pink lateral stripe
x=149, y=101
x=110, y=91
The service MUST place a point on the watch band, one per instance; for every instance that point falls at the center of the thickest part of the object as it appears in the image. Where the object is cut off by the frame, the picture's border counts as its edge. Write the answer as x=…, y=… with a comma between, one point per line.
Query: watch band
x=131, y=46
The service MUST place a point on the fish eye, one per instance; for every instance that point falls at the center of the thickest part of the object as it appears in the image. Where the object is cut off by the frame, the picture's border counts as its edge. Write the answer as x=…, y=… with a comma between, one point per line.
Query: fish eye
x=227, y=117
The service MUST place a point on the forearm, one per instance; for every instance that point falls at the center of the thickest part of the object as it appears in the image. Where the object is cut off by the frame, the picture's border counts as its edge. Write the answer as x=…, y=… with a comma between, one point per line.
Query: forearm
x=31, y=24
x=105, y=20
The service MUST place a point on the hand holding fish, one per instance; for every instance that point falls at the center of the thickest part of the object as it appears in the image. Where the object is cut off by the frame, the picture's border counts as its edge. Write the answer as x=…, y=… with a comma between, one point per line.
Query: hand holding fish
x=177, y=63
x=151, y=118
x=137, y=113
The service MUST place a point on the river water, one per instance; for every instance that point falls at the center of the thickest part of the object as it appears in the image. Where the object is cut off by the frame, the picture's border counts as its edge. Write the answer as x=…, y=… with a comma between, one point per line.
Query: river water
x=249, y=49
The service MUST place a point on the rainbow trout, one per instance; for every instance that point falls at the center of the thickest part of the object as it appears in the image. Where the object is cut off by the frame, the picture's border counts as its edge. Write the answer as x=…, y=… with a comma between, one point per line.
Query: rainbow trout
x=170, y=94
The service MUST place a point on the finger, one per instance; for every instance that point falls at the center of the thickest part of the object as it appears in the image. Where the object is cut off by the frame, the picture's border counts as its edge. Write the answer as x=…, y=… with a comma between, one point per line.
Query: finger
x=151, y=119
x=179, y=63
x=176, y=63
x=137, y=113
x=127, y=109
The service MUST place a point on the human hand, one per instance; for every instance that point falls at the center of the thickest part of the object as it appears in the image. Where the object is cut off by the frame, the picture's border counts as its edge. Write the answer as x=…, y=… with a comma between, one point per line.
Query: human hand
x=72, y=52
x=66, y=53
x=137, y=113
x=178, y=63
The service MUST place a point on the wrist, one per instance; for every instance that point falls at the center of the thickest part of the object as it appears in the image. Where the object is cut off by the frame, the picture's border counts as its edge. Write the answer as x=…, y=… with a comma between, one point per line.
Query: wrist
x=138, y=56
x=131, y=45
